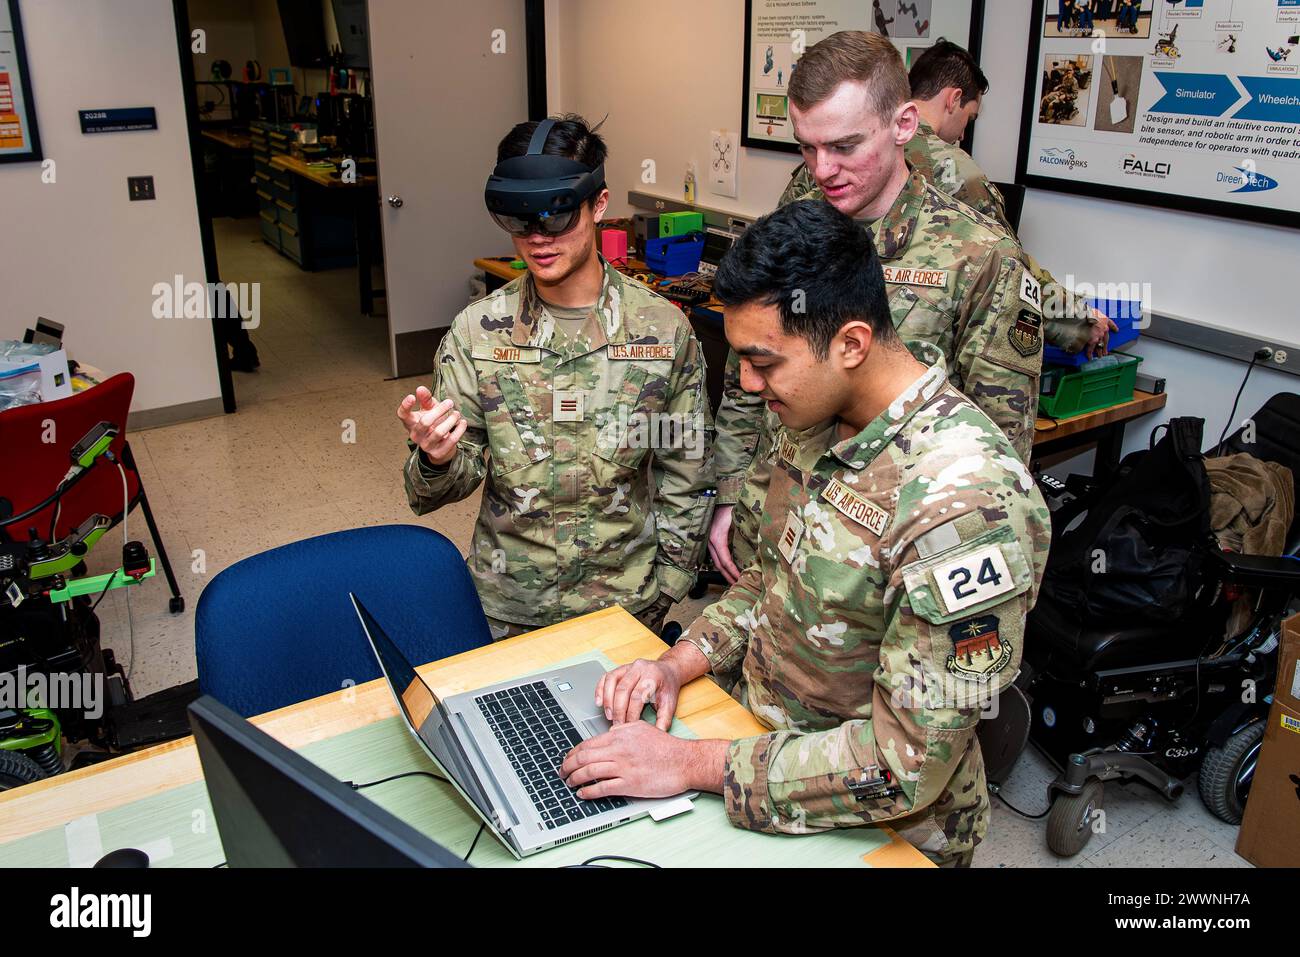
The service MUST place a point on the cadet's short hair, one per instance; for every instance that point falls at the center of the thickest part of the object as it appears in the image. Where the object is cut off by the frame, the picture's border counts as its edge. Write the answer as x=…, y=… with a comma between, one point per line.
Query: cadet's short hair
x=816, y=265
x=851, y=55
x=946, y=65
x=571, y=137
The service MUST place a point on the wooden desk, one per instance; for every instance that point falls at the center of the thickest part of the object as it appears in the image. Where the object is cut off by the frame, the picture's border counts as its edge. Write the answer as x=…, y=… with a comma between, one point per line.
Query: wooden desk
x=703, y=707
x=1105, y=427
x=320, y=177
x=231, y=139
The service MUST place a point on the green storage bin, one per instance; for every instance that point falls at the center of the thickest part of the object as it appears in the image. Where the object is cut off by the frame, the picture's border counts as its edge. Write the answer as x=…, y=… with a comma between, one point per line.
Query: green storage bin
x=679, y=224
x=1066, y=391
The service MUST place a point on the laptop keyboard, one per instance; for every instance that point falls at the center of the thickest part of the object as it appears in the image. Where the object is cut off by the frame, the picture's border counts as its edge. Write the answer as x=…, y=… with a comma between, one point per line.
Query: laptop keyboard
x=536, y=734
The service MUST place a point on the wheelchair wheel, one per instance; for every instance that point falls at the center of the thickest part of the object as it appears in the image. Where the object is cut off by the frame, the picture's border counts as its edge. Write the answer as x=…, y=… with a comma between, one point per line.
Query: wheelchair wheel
x=1069, y=825
x=17, y=769
x=1226, y=773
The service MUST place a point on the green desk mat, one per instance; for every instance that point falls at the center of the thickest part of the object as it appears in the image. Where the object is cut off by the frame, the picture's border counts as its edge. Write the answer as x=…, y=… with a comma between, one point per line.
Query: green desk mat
x=177, y=829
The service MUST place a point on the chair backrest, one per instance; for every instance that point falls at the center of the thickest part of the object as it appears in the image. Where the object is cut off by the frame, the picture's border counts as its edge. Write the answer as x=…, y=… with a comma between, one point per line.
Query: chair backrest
x=1276, y=428
x=278, y=627
x=38, y=465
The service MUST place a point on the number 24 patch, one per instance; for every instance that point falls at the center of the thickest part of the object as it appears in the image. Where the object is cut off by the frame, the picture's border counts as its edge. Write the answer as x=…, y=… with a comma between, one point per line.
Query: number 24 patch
x=973, y=578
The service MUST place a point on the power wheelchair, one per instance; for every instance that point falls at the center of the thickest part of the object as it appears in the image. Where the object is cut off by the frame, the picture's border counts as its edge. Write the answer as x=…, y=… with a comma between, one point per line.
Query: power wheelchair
x=1136, y=697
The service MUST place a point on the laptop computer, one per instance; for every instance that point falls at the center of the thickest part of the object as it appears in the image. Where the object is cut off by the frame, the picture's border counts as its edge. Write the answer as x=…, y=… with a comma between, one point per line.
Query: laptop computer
x=501, y=747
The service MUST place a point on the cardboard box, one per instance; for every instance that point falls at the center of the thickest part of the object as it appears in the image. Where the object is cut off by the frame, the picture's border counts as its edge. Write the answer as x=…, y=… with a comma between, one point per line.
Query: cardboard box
x=1270, y=828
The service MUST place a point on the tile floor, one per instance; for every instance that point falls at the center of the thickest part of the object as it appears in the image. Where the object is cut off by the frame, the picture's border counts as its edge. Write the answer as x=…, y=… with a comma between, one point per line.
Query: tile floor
x=279, y=470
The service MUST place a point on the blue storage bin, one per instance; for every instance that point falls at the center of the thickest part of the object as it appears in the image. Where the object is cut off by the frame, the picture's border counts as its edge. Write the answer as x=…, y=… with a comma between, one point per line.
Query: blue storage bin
x=674, y=255
x=1126, y=313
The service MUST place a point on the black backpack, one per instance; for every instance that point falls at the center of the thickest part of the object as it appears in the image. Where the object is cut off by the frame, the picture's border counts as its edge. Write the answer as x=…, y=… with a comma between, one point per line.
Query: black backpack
x=1136, y=554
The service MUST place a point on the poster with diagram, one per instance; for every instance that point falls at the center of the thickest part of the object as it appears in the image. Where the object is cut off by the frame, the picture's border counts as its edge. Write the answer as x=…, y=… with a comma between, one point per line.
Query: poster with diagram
x=777, y=31
x=19, y=141
x=1187, y=104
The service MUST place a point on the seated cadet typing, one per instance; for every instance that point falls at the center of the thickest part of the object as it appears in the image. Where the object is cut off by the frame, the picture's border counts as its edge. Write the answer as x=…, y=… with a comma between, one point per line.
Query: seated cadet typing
x=902, y=544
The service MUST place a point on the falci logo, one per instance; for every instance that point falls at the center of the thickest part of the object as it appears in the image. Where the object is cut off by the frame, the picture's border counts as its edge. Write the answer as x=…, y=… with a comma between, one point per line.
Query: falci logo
x=1061, y=156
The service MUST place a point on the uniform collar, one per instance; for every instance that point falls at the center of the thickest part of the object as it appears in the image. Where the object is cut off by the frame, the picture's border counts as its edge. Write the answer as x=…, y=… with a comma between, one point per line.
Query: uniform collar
x=859, y=451
x=534, y=329
x=892, y=233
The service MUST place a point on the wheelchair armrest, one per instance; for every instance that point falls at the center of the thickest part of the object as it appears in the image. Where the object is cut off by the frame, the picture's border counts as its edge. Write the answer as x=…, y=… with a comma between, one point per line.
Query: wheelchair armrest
x=1258, y=570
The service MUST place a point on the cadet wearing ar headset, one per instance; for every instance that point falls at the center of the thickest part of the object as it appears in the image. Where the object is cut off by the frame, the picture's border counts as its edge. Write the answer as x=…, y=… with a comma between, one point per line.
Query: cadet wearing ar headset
x=576, y=397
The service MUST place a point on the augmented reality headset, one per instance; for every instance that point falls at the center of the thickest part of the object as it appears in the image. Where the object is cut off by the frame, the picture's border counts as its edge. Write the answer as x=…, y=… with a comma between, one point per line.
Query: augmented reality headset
x=540, y=193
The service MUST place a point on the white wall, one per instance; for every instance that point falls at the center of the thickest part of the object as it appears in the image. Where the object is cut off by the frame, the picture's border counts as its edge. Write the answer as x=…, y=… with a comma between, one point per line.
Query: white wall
x=667, y=73
x=76, y=250
x=1235, y=275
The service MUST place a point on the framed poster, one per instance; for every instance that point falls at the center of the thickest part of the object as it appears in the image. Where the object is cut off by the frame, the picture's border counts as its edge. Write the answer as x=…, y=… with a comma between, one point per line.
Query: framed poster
x=19, y=140
x=772, y=28
x=1186, y=104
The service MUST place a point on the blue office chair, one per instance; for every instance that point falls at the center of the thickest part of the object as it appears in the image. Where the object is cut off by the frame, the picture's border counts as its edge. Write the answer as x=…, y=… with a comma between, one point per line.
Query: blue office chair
x=278, y=627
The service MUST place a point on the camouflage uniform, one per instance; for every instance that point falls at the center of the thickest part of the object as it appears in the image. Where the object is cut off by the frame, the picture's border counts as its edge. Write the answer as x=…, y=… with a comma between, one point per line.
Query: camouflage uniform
x=888, y=604
x=1067, y=324
x=956, y=280
x=574, y=517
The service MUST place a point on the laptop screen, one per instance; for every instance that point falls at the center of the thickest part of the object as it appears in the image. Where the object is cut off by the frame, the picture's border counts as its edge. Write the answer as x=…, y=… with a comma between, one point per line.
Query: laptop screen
x=424, y=711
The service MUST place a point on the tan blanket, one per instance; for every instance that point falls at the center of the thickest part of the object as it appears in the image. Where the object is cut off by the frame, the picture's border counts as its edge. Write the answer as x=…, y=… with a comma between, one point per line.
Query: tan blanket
x=1252, y=503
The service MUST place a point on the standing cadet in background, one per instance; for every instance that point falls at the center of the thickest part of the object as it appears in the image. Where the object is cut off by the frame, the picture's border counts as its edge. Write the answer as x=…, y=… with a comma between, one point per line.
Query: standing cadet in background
x=585, y=390
x=948, y=87
x=956, y=279
x=903, y=543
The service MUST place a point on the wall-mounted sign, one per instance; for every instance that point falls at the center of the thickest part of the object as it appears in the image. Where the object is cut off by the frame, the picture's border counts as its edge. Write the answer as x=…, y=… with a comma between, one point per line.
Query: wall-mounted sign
x=118, y=121
x=19, y=139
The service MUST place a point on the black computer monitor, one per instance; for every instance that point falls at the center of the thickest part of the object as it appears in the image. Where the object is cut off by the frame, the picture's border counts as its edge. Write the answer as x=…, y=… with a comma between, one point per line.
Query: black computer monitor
x=274, y=808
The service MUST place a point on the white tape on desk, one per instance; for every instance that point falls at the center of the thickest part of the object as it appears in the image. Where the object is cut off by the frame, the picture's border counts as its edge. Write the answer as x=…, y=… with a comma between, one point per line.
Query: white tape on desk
x=81, y=836
x=85, y=843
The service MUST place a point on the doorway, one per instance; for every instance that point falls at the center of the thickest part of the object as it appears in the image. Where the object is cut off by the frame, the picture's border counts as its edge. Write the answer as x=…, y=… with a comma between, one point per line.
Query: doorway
x=289, y=204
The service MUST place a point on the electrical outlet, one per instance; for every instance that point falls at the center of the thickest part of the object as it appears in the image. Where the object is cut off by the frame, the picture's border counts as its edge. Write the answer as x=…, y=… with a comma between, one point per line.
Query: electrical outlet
x=140, y=187
x=1279, y=357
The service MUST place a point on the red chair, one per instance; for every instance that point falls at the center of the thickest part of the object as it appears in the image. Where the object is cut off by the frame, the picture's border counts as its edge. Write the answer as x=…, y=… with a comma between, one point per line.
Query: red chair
x=34, y=465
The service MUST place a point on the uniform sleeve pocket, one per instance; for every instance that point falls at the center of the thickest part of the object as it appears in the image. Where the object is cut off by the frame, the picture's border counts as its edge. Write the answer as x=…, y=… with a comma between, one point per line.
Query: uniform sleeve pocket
x=983, y=573
x=1016, y=341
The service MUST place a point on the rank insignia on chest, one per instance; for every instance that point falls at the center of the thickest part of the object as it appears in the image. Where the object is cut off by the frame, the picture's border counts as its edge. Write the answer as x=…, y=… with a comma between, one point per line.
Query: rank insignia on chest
x=854, y=506
x=790, y=536
x=568, y=406
x=1027, y=334
x=977, y=649
x=914, y=276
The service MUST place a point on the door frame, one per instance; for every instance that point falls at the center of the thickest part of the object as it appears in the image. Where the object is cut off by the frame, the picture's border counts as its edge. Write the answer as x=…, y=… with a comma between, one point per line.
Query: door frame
x=189, y=92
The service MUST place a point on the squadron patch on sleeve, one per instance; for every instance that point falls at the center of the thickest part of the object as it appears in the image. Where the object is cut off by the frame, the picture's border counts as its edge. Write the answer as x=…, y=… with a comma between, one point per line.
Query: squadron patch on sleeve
x=1027, y=333
x=978, y=650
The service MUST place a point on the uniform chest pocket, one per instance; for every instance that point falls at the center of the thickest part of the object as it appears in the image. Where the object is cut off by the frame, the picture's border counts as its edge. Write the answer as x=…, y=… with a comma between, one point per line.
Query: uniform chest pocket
x=516, y=433
x=634, y=422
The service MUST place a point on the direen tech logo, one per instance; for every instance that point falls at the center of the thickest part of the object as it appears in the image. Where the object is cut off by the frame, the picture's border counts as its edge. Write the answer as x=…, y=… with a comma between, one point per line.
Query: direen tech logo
x=1061, y=156
x=74, y=909
x=1246, y=180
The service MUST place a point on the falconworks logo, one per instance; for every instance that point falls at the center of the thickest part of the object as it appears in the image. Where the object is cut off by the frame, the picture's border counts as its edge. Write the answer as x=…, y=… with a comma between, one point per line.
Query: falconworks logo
x=1135, y=166
x=1058, y=156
